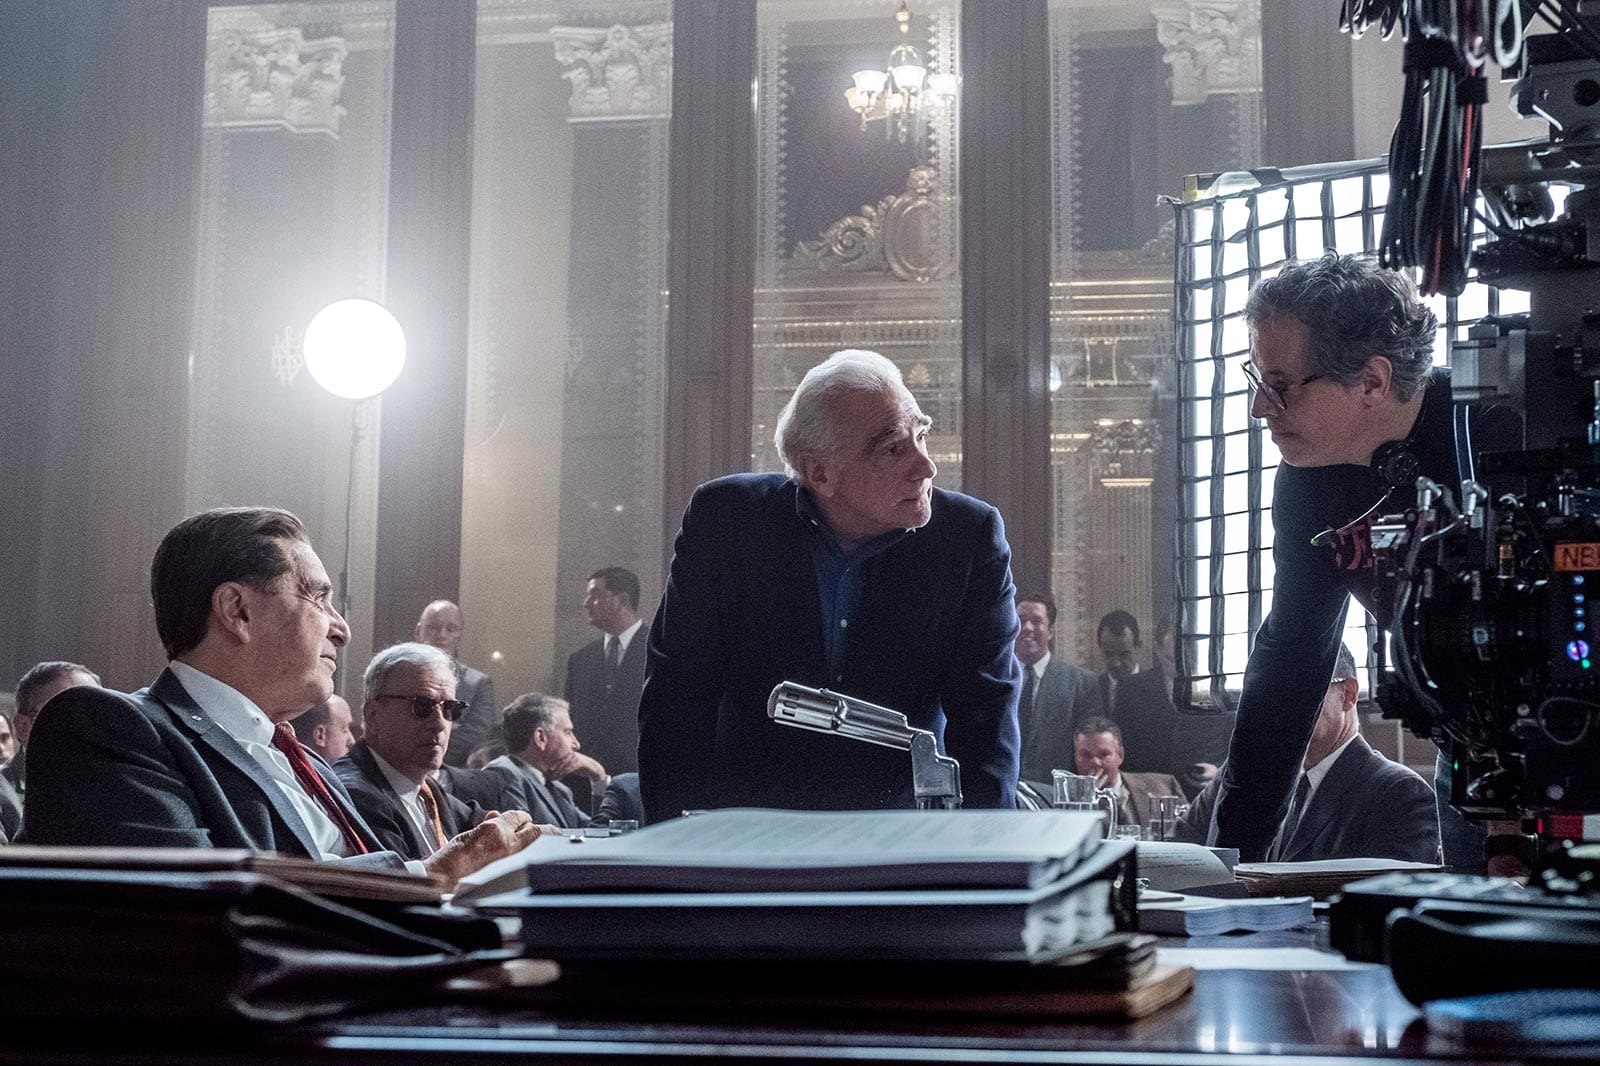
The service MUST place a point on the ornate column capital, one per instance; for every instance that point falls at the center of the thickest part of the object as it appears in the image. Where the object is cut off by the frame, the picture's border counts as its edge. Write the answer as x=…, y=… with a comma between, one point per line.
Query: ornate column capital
x=1124, y=452
x=1212, y=46
x=621, y=72
x=261, y=75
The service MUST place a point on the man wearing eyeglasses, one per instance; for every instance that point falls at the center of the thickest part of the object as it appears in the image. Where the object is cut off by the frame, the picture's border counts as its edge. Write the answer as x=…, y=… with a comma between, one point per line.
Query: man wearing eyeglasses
x=205, y=757
x=409, y=708
x=1342, y=377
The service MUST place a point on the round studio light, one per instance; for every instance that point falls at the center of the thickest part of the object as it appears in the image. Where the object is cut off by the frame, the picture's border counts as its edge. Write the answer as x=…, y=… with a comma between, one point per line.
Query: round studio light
x=354, y=348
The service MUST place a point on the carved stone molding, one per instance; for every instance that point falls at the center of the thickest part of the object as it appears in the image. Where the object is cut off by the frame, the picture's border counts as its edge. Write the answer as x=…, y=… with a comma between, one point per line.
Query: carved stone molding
x=272, y=77
x=621, y=72
x=897, y=235
x=1212, y=46
x=1124, y=452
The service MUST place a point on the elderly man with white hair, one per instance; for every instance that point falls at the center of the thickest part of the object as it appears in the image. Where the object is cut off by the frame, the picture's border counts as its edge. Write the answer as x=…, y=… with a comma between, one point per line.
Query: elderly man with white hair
x=852, y=572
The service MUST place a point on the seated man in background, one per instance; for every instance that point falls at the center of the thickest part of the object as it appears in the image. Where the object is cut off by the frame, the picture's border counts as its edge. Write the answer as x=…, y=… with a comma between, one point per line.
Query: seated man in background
x=327, y=728
x=1056, y=695
x=1097, y=751
x=205, y=757
x=408, y=707
x=542, y=748
x=37, y=688
x=442, y=623
x=1351, y=802
x=852, y=573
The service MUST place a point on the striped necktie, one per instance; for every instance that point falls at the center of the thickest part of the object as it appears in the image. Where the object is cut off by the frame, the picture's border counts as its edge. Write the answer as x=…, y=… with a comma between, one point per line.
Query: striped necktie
x=284, y=740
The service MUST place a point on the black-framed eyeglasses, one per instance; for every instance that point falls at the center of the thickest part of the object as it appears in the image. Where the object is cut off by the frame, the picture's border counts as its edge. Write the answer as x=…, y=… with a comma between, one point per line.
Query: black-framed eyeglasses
x=1278, y=394
x=425, y=706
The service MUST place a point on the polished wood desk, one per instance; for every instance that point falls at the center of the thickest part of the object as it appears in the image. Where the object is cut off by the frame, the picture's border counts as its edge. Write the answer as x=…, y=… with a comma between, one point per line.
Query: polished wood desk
x=1232, y=1016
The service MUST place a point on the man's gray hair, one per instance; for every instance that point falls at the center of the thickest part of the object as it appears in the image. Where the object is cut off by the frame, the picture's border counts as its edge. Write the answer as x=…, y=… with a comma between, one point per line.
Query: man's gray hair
x=1344, y=667
x=806, y=426
x=1352, y=309
x=398, y=655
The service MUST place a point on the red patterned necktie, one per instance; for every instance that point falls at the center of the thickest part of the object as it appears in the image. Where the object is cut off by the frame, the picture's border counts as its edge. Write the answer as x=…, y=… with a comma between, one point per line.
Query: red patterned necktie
x=284, y=740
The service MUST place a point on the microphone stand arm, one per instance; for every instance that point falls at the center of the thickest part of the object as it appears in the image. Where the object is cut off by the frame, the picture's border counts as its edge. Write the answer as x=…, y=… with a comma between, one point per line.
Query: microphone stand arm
x=935, y=778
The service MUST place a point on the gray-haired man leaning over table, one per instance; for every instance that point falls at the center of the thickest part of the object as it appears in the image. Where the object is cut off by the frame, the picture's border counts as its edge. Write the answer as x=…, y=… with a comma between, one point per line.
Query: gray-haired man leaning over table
x=205, y=757
x=852, y=573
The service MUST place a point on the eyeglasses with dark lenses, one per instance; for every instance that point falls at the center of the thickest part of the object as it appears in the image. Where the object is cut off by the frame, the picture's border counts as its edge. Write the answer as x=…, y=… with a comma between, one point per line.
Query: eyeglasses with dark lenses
x=425, y=706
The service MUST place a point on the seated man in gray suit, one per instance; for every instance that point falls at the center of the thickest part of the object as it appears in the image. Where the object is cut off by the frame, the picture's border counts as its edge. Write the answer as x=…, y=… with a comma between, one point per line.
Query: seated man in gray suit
x=1351, y=802
x=205, y=757
x=408, y=708
x=1097, y=751
x=542, y=748
x=1056, y=695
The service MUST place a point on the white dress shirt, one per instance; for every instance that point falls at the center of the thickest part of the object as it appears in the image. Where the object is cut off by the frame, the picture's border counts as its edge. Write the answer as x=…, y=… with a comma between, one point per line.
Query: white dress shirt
x=624, y=638
x=410, y=794
x=238, y=716
x=1316, y=773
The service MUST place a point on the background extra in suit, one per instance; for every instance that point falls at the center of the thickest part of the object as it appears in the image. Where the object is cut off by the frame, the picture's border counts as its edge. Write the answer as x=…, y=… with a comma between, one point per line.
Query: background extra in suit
x=1060, y=696
x=441, y=625
x=605, y=677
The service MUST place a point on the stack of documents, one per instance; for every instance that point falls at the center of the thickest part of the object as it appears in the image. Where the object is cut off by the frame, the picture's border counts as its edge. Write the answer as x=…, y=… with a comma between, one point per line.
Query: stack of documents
x=1180, y=915
x=741, y=884
x=1319, y=879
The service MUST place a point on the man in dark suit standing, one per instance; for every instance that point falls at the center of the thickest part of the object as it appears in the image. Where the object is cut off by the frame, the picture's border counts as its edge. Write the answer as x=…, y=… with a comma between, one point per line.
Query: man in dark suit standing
x=408, y=709
x=1350, y=801
x=1139, y=701
x=606, y=677
x=1056, y=695
x=205, y=757
x=542, y=748
x=441, y=625
x=852, y=573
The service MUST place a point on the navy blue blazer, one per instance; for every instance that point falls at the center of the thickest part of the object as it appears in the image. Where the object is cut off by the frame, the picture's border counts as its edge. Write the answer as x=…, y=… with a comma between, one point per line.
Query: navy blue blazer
x=151, y=769
x=932, y=639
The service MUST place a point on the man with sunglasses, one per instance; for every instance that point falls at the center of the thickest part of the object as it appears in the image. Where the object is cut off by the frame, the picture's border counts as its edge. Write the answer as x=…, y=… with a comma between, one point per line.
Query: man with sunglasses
x=409, y=708
x=1342, y=376
x=205, y=757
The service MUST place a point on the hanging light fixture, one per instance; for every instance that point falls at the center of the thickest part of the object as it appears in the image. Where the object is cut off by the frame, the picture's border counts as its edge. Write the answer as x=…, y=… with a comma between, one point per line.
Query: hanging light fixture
x=902, y=95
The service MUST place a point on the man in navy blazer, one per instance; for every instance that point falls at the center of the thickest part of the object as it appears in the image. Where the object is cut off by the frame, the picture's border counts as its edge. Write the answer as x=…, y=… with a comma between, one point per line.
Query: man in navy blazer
x=205, y=756
x=852, y=573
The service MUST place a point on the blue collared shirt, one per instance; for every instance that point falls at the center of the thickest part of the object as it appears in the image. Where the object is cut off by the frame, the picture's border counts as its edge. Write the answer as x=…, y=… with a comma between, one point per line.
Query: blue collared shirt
x=839, y=578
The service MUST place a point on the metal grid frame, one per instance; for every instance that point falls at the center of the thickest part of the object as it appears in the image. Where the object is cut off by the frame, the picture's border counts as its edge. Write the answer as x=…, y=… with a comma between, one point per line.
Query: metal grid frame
x=1227, y=241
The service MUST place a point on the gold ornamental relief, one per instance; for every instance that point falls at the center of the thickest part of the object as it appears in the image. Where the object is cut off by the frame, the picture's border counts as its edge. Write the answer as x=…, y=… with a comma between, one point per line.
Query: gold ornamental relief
x=897, y=236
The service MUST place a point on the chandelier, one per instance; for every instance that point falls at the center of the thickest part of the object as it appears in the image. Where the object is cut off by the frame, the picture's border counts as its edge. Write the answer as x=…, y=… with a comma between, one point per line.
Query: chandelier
x=902, y=96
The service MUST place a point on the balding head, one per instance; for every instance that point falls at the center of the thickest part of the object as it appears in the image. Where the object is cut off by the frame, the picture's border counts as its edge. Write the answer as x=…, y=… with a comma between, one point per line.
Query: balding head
x=441, y=625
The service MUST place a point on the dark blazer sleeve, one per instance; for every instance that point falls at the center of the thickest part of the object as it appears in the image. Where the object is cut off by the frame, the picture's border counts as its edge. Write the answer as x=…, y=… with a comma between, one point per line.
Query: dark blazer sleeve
x=985, y=680
x=684, y=675
x=621, y=799
x=1284, y=680
x=100, y=775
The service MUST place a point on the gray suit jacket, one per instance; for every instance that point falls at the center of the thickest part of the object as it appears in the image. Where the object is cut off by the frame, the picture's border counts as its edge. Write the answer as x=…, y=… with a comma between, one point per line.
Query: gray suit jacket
x=1067, y=695
x=1142, y=792
x=550, y=803
x=385, y=811
x=1366, y=808
x=151, y=769
x=481, y=723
